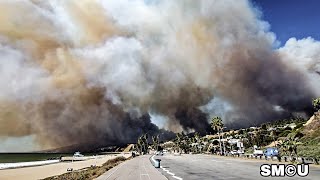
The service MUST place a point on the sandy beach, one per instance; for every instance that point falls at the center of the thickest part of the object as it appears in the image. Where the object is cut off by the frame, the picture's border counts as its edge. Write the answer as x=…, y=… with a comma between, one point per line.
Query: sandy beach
x=40, y=172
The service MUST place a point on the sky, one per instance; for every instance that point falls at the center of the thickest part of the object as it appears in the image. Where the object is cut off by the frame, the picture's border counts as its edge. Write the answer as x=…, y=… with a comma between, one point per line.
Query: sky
x=291, y=18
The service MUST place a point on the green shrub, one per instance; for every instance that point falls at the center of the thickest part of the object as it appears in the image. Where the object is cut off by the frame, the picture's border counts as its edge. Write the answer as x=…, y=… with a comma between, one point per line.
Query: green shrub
x=284, y=133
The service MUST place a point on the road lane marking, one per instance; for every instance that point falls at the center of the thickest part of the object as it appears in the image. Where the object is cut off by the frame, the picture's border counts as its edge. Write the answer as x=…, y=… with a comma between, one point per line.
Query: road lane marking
x=167, y=171
x=170, y=173
x=176, y=177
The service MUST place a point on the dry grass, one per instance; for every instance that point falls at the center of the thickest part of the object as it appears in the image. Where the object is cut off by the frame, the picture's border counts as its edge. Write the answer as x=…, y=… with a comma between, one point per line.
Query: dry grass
x=90, y=172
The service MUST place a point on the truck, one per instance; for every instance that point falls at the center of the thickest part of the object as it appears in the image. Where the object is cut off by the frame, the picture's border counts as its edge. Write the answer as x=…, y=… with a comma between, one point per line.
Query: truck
x=272, y=151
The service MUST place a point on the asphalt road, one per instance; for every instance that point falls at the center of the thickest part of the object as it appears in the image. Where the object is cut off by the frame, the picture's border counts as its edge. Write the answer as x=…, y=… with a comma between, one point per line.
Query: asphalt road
x=214, y=167
x=138, y=168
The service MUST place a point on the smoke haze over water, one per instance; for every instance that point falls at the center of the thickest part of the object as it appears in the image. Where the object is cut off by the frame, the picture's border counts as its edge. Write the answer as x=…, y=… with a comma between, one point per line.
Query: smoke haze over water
x=73, y=72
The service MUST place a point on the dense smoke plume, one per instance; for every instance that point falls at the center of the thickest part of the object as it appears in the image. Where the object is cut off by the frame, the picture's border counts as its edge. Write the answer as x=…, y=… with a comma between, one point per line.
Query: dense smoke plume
x=73, y=72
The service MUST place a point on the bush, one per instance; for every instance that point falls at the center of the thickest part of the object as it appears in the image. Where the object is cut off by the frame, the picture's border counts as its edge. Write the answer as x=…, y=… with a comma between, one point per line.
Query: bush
x=284, y=133
x=312, y=151
x=299, y=125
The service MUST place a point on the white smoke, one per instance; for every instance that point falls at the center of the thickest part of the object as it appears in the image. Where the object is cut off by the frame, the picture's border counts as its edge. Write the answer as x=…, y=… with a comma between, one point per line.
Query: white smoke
x=304, y=54
x=21, y=80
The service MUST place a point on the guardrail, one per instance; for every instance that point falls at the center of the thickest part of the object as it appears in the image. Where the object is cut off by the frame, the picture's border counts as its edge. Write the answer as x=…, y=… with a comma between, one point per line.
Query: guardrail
x=155, y=162
x=304, y=160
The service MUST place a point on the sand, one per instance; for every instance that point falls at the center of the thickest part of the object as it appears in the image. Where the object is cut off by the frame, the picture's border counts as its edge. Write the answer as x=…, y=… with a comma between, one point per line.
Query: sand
x=40, y=172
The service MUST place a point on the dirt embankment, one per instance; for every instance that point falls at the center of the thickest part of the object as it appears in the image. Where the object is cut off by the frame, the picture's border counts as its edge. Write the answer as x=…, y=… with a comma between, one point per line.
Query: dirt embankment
x=312, y=126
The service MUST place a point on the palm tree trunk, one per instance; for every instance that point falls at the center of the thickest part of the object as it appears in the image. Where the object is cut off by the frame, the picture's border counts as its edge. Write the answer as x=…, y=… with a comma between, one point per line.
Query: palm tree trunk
x=220, y=142
x=224, y=147
x=274, y=141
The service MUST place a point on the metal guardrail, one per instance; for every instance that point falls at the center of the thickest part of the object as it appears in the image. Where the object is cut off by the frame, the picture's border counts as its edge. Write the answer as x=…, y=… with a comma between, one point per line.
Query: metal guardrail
x=306, y=160
x=155, y=162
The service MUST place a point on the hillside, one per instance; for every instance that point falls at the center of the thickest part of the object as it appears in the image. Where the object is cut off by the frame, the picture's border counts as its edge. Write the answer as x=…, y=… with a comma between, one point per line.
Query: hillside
x=312, y=127
x=311, y=138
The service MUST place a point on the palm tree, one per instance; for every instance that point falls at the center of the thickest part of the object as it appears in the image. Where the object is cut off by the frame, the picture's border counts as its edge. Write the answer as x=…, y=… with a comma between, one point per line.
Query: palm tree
x=143, y=144
x=289, y=146
x=139, y=145
x=273, y=134
x=178, y=141
x=155, y=142
x=217, y=125
x=198, y=142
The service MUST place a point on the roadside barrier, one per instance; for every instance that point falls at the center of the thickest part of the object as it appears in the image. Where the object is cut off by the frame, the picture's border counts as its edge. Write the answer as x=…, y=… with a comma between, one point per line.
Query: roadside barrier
x=302, y=160
x=155, y=162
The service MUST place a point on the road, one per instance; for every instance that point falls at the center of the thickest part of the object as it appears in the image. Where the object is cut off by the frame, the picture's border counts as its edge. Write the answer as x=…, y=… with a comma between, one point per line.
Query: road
x=189, y=167
x=138, y=168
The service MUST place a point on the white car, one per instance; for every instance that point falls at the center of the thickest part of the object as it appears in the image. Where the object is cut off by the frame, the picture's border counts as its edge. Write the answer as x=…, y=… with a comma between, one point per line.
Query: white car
x=257, y=152
x=77, y=154
x=234, y=152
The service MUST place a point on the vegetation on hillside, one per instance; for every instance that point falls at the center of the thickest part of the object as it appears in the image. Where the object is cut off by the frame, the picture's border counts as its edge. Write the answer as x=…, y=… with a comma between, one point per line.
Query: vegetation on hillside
x=316, y=103
x=291, y=136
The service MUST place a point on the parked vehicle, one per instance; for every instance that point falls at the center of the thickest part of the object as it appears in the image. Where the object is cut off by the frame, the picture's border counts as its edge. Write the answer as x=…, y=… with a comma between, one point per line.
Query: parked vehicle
x=258, y=152
x=234, y=152
x=77, y=154
x=271, y=152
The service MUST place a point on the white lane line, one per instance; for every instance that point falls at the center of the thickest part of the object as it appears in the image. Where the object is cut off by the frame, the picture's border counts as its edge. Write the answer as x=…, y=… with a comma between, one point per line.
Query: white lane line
x=170, y=173
x=176, y=177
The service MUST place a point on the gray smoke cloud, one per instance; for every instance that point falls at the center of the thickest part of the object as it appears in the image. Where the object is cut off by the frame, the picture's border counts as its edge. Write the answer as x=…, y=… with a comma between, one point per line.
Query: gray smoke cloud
x=91, y=71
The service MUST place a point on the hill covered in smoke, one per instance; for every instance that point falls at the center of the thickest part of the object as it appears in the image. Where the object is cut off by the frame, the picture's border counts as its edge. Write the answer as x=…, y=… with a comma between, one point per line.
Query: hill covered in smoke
x=94, y=70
